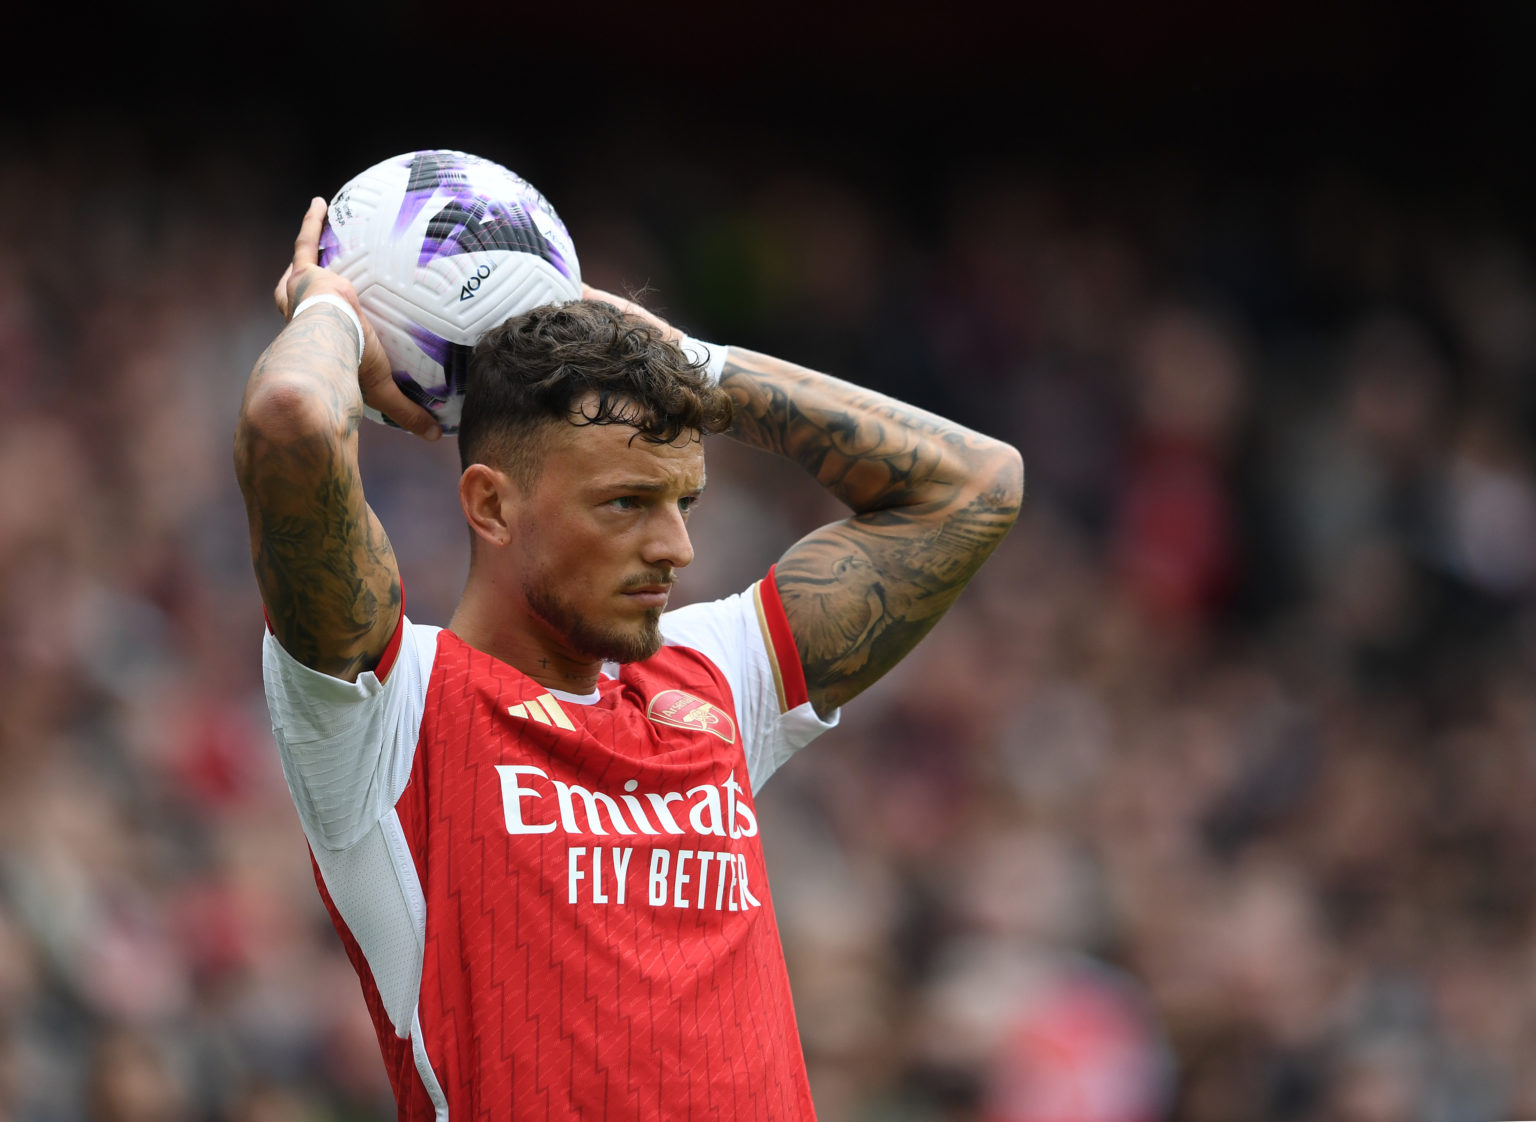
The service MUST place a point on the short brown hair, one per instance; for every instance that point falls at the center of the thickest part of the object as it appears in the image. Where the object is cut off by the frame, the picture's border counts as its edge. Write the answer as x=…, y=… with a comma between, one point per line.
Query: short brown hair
x=536, y=367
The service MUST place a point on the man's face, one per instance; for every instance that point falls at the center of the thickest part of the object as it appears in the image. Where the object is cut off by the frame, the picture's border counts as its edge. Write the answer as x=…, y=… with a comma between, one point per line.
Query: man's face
x=601, y=534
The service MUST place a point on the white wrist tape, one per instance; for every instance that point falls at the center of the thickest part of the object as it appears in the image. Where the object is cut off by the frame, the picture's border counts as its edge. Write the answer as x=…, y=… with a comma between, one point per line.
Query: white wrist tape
x=709, y=355
x=338, y=302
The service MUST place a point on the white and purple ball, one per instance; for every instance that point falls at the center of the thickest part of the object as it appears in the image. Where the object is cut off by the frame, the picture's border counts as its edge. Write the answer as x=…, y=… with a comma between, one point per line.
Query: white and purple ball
x=441, y=246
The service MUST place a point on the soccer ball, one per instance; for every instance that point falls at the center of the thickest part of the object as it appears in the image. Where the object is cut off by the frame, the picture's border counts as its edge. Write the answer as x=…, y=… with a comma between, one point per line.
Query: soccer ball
x=441, y=246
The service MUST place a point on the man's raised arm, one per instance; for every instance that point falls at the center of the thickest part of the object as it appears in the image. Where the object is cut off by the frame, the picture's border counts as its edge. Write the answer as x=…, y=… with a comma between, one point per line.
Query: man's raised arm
x=327, y=573
x=931, y=499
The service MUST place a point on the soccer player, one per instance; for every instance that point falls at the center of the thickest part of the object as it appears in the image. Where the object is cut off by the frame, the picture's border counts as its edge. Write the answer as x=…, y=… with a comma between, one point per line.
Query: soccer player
x=534, y=829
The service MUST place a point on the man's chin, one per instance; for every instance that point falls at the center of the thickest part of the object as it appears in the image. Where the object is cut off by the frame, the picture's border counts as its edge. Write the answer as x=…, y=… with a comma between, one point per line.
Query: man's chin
x=616, y=645
x=635, y=648
x=636, y=642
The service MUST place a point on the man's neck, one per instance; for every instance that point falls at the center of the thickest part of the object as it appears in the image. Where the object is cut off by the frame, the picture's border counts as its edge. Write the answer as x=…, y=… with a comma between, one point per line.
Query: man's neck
x=492, y=626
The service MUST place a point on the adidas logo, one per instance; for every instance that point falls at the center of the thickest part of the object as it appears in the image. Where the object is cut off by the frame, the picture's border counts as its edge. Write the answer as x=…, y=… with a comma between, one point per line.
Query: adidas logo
x=544, y=709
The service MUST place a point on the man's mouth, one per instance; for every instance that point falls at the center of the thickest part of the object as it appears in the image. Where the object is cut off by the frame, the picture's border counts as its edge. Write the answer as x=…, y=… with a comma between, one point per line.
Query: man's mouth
x=650, y=594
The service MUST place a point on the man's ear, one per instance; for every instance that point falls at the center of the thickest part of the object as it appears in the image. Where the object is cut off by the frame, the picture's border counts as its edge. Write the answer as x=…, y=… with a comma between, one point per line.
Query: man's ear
x=485, y=495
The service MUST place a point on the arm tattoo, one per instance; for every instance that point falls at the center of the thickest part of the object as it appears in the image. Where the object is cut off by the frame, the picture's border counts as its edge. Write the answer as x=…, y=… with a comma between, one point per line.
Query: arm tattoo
x=931, y=500
x=327, y=573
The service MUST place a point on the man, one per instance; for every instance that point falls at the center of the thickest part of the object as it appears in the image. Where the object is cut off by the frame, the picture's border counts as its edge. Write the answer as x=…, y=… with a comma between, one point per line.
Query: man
x=534, y=829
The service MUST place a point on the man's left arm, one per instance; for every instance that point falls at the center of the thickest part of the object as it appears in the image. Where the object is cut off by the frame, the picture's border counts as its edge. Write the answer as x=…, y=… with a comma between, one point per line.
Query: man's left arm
x=930, y=498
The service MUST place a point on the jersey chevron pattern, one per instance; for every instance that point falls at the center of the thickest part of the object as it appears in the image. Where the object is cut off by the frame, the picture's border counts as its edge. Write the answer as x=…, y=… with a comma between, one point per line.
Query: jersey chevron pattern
x=558, y=906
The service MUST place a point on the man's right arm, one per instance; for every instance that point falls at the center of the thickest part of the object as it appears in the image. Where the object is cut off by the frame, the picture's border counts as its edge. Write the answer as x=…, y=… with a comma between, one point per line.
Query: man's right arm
x=327, y=574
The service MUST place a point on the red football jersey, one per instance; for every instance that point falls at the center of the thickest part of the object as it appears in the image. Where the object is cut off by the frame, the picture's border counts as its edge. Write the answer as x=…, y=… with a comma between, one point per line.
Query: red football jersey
x=558, y=905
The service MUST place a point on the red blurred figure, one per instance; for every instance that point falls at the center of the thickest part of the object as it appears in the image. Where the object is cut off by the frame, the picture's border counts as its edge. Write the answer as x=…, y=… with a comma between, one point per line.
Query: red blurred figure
x=1175, y=538
x=1080, y=1049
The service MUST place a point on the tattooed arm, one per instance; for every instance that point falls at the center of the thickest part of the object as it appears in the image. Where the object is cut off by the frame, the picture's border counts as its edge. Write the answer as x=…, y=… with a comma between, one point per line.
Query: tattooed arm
x=931, y=500
x=325, y=568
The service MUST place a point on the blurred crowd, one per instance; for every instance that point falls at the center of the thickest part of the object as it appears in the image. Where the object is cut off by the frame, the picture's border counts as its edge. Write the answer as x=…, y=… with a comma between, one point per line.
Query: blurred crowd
x=1209, y=802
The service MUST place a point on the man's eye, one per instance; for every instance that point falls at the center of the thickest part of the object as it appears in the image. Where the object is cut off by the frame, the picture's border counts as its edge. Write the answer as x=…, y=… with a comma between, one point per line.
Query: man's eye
x=624, y=502
x=687, y=503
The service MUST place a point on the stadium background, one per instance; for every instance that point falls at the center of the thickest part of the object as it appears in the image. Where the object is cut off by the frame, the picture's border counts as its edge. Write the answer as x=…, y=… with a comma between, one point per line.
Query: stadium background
x=1209, y=803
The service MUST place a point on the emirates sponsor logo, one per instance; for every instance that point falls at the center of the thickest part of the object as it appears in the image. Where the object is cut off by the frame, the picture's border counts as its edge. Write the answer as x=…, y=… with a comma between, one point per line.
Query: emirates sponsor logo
x=706, y=879
x=684, y=711
x=709, y=810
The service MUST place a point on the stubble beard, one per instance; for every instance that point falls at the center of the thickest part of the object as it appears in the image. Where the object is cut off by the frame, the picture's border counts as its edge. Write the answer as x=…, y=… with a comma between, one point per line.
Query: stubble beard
x=588, y=639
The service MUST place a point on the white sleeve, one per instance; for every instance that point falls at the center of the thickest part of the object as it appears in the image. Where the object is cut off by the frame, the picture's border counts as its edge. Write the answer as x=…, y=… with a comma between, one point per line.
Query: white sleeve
x=347, y=747
x=747, y=637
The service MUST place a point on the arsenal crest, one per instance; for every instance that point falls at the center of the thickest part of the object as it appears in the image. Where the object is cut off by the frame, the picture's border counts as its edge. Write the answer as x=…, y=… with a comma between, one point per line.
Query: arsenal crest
x=684, y=711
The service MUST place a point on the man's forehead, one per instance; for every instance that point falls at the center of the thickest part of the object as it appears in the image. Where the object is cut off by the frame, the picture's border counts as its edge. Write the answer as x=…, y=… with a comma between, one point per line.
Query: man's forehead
x=619, y=451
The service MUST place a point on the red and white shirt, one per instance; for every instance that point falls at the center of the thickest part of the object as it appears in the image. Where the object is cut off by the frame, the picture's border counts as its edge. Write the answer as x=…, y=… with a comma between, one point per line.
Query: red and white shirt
x=557, y=905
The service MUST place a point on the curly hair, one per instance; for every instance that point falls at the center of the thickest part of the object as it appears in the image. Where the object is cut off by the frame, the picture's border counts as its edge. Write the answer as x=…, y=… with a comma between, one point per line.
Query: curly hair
x=546, y=364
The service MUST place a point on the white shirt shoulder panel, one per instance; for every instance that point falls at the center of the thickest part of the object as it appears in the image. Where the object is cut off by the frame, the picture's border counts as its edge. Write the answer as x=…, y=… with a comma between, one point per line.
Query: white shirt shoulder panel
x=347, y=747
x=735, y=635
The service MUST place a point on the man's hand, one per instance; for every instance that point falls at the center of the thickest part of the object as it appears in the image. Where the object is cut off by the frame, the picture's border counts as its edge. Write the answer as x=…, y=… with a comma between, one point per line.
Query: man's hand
x=629, y=307
x=304, y=278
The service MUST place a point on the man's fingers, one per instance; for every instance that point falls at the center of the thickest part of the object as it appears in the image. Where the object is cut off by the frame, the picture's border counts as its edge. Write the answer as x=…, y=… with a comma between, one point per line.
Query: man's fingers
x=280, y=293
x=619, y=302
x=629, y=307
x=389, y=400
x=382, y=393
x=306, y=256
x=306, y=247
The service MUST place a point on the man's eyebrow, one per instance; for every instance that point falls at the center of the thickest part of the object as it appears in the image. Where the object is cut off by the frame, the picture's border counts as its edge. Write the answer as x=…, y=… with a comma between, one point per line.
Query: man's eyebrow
x=648, y=487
